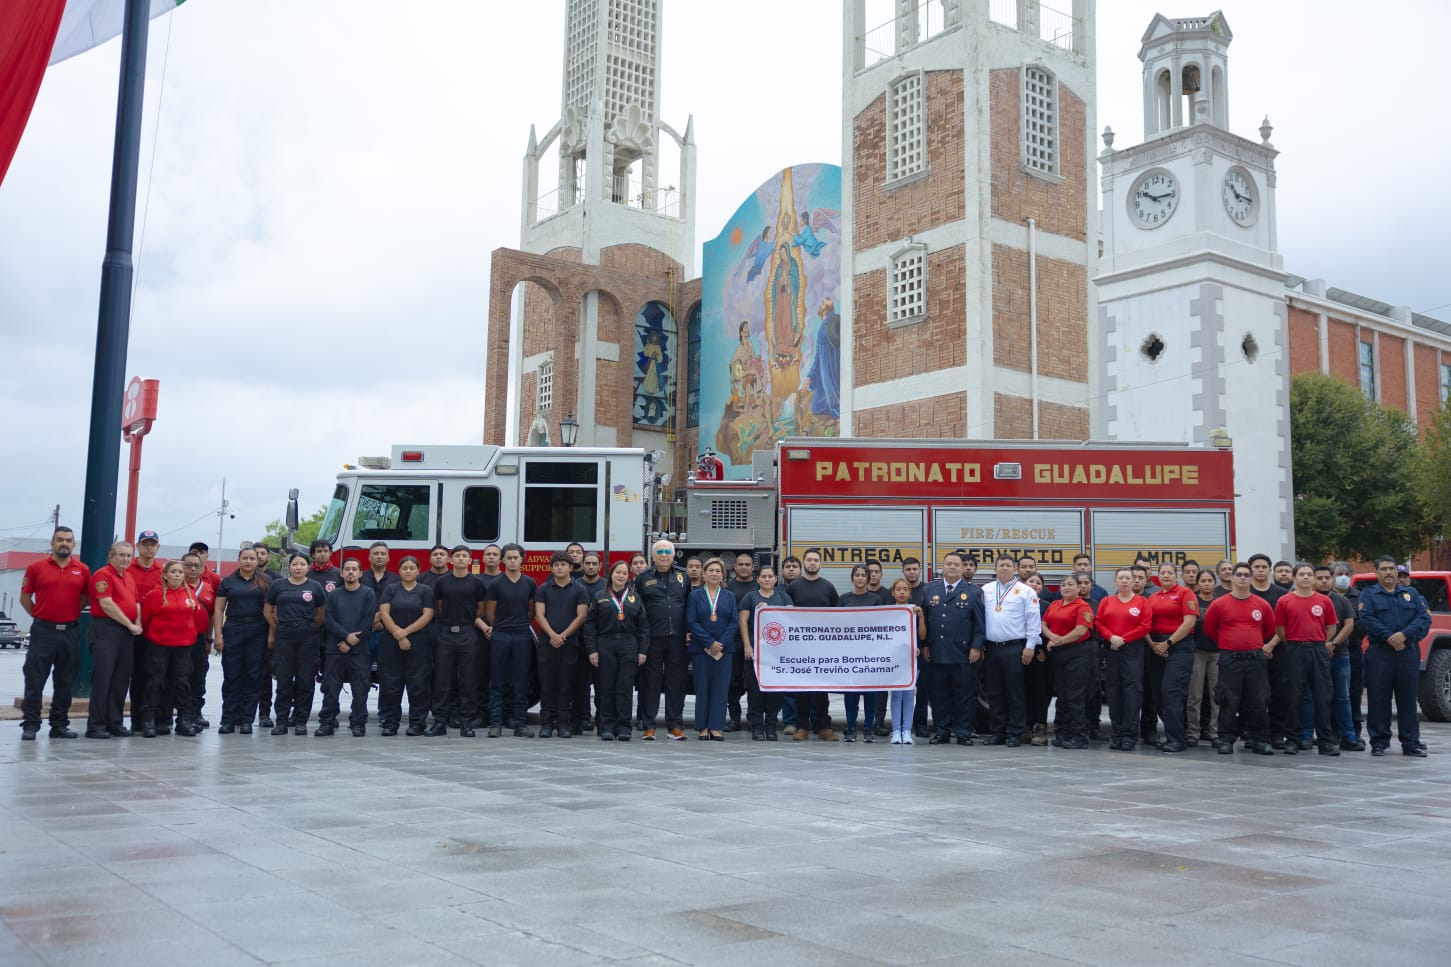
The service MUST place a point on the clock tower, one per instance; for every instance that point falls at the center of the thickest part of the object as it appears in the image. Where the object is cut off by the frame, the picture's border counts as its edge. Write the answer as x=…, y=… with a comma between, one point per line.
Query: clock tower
x=1192, y=324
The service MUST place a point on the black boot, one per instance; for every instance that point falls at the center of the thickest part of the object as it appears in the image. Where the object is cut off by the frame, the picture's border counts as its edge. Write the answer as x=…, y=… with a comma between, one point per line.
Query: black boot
x=148, y=728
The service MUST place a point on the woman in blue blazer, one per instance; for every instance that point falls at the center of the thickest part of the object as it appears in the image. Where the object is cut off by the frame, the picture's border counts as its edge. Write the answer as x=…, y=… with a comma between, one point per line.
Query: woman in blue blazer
x=710, y=617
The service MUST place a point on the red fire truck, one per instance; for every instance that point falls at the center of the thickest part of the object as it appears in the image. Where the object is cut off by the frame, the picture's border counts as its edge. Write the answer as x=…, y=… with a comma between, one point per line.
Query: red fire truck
x=541, y=497
x=891, y=499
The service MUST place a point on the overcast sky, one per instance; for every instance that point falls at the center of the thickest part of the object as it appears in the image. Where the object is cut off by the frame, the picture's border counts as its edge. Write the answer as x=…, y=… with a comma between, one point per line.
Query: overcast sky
x=328, y=180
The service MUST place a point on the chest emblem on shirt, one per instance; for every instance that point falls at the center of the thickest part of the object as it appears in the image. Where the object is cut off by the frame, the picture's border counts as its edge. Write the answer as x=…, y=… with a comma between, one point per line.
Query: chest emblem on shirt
x=935, y=599
x=630, y=598
x=1316, y=610
x=330, y=587
x=1406, y=596
x=307, y=595
x=1255, y=614
x=1134, y=612
x=963, y=595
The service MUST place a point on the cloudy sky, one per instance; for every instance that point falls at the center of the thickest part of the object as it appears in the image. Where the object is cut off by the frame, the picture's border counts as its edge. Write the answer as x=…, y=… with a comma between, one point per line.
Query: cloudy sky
x=329, y=177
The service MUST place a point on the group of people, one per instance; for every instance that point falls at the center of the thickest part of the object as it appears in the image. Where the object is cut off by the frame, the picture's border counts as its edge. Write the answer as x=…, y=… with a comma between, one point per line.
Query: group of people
x=1272, y=654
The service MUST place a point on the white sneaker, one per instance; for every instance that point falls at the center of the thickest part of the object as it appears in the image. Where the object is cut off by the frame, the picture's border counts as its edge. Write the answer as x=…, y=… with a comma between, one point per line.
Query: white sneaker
x=896, y=738
x=907, y=738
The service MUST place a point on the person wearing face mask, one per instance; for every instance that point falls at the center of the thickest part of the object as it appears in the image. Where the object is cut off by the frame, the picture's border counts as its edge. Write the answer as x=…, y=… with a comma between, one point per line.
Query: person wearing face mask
x=1339, y=660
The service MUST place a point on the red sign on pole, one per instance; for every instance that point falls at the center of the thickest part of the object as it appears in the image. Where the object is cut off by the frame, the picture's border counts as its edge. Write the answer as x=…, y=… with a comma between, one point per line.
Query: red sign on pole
x=138, y=412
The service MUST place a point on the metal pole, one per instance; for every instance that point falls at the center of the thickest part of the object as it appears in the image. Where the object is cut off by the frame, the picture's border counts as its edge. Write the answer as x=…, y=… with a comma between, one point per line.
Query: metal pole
x=1033, y=316
x=221, y=521
x=133, y=486
x=108, y=384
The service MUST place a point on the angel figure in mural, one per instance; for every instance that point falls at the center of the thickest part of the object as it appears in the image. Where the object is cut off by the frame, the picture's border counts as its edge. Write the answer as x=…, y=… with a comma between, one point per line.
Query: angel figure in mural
x=822, y=219
x=748, y=373
x=756, y=255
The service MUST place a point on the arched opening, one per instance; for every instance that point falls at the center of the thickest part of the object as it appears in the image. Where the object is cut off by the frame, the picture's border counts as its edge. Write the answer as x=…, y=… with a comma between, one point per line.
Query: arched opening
x=1191, y=82
x=1164, y=100
x=1219, y=102
x=532, y=390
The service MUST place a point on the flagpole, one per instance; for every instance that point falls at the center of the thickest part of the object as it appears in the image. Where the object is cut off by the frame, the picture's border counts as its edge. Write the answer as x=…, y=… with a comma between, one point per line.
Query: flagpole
x=108, y=384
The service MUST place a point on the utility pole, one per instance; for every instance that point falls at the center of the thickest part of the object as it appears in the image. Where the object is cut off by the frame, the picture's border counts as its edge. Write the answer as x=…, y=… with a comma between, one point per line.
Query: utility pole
x=223, y=512
x=55, y=517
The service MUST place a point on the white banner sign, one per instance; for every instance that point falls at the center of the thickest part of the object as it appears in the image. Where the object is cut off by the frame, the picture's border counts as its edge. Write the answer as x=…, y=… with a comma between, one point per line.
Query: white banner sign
x=835, y=649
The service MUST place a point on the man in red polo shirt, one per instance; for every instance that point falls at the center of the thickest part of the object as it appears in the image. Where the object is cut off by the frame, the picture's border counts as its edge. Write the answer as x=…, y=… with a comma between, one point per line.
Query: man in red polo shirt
x=115, y=619
x=1306, y=622
x=145, y=573
x=1243, y=625
x=209, y=574
x=53, y=592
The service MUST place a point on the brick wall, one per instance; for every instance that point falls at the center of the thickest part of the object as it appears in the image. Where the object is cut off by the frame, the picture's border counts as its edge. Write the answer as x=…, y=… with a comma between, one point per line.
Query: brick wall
x=935, y=417
x=1013, y=419
x=1343, y=359
x=1304, y=341
x=1428, y=384
x=885, y=215
x=938, y=342
x=1058, y=205
x=1393, y=372
x=1062, y=314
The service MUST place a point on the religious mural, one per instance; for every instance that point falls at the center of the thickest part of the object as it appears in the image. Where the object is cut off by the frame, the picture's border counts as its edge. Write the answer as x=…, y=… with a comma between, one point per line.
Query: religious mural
x=655, y=341
x=770, y=332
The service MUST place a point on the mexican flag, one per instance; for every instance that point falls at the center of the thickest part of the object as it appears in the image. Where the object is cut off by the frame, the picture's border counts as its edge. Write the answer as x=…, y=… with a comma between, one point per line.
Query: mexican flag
x=90, y=23
x=37, y=33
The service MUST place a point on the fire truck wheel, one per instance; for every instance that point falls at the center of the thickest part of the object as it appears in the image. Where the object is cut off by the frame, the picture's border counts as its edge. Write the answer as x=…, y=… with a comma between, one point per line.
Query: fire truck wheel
x=1436, y=684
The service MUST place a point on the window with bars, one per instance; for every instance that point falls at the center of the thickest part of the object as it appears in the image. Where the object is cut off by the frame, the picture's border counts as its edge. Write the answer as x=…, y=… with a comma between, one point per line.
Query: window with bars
x=1040, y=120
x=545, y=398
x=907, y=285
x=906, y=128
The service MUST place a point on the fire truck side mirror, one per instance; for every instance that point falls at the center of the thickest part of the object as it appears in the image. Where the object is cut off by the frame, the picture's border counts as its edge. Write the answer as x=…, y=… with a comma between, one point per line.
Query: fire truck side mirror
x=291, y=515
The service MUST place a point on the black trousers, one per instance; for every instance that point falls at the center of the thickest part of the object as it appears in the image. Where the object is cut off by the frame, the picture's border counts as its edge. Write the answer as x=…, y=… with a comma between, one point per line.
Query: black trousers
x=355, y=668
x=737, y=687
x=1390, y=673
x=294, y=663
x=513, y=652
x=1124, y=684
x=411, y=669
x=1038, y=687
x=264, y=684
x=954, y=697
x=244, y=665
x=200, y=664
x=922, y=710
x=54, y=654
x=1152, y=706
x=1280, y=701
x=618, y=661
x=761, y=707
x=1075, y=671
x=585, y=675
x=1174, y=690
x=1003, y=687
x=666, y=667
x=813, y=711
x=1357, y=686
x=455, y=668
x=168, y=682
x=1307, y=665
x=140, y=668
x=556, y=682
x=110, y=644
x=1243, y=690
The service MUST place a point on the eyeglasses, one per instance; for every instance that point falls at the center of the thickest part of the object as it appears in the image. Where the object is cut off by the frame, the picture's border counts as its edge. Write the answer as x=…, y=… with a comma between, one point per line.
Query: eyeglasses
x=664, y=553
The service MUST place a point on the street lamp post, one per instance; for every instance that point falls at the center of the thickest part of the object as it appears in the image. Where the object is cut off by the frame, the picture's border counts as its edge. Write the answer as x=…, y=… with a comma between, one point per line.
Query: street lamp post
x=568, y=430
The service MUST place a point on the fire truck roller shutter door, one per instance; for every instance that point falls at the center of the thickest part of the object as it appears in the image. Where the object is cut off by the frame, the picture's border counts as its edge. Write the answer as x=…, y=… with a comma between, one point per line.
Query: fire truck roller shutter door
x=1160, y=535
x=855, y=535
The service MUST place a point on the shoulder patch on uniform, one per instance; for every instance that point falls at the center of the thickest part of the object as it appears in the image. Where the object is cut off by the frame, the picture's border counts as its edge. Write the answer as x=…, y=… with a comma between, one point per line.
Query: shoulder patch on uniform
x=103, y=586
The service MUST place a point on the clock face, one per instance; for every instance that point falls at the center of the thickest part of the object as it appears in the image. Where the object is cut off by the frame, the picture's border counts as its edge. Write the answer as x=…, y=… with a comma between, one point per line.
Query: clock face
x=1154, y=198
x=1240, y=196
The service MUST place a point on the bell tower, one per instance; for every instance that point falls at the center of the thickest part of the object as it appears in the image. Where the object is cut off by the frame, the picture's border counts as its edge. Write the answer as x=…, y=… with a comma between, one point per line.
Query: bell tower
x=1192, y=320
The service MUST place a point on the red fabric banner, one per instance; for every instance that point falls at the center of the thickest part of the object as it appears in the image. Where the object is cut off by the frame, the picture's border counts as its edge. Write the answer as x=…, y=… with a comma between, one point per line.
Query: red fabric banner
x=27, y=34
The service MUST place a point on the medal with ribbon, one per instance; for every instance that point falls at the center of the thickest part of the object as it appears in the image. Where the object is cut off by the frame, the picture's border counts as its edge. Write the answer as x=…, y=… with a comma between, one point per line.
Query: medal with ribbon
x=1002, y=593
x=713, y=597
x=620, y=603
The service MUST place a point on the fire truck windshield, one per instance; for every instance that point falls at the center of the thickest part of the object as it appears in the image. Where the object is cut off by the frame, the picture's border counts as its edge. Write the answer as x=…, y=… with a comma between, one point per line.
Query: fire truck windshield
x=332, y=521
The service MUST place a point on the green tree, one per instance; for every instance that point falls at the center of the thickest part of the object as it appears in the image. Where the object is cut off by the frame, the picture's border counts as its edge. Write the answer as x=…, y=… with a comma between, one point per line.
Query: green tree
x=1358, y=470
x=307, y=529
x=1436, y=469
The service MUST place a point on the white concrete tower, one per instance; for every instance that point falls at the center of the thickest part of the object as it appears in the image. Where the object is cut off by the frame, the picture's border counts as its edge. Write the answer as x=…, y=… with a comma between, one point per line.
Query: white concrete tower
x=969, y=218
x=1192, y=328
x=611, y=190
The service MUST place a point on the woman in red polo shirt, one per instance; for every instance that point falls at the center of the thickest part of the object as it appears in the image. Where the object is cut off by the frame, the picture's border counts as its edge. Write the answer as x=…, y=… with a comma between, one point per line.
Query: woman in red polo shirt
x=1171, y=636
x=1123, y=624
x=169, y=621
x=1067, y=629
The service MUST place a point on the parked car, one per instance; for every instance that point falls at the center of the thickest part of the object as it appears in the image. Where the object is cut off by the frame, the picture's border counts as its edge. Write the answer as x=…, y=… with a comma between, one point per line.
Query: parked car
x=10, y=634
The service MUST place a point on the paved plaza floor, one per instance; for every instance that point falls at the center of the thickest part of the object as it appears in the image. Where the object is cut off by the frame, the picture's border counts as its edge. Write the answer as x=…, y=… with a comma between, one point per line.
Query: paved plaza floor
x=222, y=850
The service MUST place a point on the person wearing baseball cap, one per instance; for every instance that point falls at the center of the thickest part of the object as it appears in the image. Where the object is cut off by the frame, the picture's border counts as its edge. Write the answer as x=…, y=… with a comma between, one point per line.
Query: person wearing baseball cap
x=145, y=573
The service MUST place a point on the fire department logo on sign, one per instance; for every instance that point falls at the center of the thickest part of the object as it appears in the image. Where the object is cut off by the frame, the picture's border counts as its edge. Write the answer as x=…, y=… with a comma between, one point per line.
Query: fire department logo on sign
x=1316, y=610
x=774, y=632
